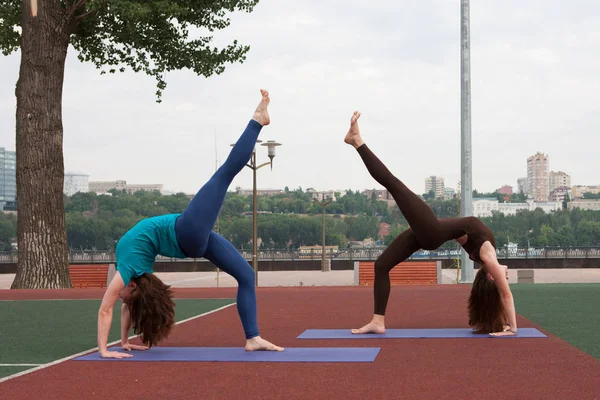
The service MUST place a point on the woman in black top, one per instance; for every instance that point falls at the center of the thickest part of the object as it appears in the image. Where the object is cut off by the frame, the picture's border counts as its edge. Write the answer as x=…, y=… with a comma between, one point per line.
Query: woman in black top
x=491, y=305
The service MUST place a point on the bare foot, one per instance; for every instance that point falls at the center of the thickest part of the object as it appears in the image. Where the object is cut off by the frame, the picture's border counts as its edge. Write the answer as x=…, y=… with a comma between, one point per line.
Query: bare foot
x=257, y=343
x=377, y=325
x=353, y=136
x=261, y=115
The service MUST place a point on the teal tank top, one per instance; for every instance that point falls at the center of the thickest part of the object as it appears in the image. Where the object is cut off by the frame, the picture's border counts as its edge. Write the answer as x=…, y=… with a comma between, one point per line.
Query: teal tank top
x=137, y=250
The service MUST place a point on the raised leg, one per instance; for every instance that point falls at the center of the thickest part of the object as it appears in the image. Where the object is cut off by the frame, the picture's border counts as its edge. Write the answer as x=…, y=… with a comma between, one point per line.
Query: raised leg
x=198, y=219
x=418, y=214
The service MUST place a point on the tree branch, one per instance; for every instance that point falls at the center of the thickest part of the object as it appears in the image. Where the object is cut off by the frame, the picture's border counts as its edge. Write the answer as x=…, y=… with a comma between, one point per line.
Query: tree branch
x=85, y=14
x=74, y=8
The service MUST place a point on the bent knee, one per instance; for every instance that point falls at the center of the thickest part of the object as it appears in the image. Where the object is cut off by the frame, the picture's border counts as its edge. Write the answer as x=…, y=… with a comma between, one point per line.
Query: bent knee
x=245, y=277
x=382, y=267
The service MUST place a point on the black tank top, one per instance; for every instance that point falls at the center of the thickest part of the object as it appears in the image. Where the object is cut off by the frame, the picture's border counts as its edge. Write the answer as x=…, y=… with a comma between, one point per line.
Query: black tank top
x=478, y=233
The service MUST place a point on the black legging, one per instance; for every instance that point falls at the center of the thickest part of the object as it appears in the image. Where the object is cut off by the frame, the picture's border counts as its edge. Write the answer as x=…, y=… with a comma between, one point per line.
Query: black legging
x=426, y=230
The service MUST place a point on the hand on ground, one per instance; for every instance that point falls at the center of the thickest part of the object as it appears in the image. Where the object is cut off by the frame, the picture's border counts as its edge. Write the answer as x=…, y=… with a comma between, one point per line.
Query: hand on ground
x=129, y=347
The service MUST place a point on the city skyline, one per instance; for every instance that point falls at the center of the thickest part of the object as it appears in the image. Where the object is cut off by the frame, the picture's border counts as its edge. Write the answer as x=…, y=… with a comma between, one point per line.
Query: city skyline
x=560, y=178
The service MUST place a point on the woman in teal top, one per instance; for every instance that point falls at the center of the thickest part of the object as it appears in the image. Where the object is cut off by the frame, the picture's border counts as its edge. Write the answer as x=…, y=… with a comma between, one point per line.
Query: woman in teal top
x=147, y=302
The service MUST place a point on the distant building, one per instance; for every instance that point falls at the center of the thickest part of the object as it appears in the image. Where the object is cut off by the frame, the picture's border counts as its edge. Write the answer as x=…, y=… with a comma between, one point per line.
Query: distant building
x=323, y=194
x=584, y=204
x=102, y=187
x=141, y=187
x=522, y=185
x=382, y=194
x=435, y=184
x=8, y=179
x=105, y=186
x=545, y=206
x=506, y=190
x=484, y=207
x=449, y=193
x=559, y=193
x=578, y=191
x=75, y=183
x=259, y=192
x=558, y=179
x=512, y=208
x=537, y=176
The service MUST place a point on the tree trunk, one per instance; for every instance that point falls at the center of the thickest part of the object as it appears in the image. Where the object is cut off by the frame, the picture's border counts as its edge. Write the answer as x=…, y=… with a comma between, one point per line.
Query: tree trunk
x=42, y=237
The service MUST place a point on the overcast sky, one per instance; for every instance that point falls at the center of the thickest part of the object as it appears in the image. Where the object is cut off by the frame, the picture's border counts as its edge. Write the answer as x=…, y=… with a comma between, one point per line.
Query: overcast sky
x=535, y=87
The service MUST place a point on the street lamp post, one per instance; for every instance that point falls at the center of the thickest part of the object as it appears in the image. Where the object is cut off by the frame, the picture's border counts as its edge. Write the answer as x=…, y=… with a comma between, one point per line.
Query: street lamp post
x=323, y=203
x=271, y=144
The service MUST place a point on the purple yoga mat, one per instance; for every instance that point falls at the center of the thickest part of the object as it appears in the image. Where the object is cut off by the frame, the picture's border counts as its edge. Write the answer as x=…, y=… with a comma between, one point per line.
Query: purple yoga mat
x=229, y=354
x=415, y=334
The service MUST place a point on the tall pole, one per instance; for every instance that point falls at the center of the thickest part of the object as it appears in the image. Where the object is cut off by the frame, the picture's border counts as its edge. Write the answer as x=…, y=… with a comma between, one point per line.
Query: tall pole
x=466, y=204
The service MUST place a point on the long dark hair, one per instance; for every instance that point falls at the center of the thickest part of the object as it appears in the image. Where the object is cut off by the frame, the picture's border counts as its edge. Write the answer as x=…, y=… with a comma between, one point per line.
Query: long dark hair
x=152, y=309
x=485, y=307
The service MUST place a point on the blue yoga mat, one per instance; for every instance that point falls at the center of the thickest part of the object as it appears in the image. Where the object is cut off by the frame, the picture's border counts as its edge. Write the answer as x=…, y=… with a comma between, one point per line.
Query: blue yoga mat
x=415, y=334
x=311, y=354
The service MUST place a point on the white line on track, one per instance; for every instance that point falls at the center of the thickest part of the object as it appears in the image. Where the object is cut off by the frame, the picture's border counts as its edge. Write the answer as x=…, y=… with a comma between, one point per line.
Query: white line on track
x=50, y=364
x=19, y=365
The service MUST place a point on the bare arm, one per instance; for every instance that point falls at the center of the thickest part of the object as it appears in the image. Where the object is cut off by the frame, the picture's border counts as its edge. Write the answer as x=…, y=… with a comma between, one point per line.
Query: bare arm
x=488, y=256
x=125, y=327
x=105, y=316
x=125, y=324
x=505, y=323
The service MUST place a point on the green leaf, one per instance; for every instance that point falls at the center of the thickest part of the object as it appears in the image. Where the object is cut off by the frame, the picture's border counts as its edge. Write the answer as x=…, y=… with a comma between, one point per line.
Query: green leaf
x=152, y=37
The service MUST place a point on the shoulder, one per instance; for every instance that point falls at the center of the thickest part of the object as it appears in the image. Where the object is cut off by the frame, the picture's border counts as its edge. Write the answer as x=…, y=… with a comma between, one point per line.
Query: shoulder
x=125, y=273
x=487, y=252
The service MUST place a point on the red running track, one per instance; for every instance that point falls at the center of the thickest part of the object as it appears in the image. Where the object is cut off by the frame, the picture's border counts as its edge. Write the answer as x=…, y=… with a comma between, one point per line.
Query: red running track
x=407, y=368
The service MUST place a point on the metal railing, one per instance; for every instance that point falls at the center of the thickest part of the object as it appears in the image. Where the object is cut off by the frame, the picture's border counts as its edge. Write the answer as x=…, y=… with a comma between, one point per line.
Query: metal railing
x=367, y=253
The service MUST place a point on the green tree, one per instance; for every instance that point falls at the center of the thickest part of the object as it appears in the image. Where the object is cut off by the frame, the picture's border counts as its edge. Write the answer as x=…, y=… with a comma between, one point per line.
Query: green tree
x=429, y=195
x=547, y=236
x=8, y=231
x=518, y=198
x=588, y=233
x=115, y=35
x=394, y=232
x=590, y=195
x=87, y=233
x=565, y=202
x=174, y=204
x=81, y=202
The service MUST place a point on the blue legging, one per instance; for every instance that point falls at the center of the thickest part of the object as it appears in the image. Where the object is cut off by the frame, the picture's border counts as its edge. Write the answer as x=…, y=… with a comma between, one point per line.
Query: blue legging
x=197, y=239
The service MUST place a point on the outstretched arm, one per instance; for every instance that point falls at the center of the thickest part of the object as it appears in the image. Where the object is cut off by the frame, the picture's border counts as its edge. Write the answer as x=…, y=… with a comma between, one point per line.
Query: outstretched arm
x=488, y=256
x=105, y=317
x=125, y=326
